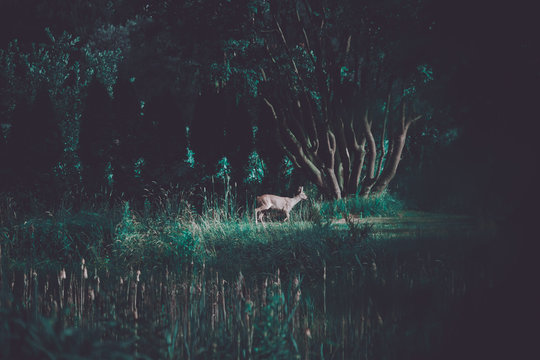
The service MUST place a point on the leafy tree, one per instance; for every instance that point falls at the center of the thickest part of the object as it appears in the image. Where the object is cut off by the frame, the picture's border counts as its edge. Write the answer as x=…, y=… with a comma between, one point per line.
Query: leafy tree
x=239, y=138
x=126, y=123
x=35, y=144
x=342, y=81
x=222, y=126
x=207, y=130
x=164, y=137
x=269, y=148
x=95, y=137
x=67, y=66
x=33, y=16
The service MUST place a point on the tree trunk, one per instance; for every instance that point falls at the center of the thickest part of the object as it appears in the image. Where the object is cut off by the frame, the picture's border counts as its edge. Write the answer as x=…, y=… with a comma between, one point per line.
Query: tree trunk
x=370, y=178
x=358, y=163
x=392, y=163
x=333, y=183
x=383, y=135
x=398, y=143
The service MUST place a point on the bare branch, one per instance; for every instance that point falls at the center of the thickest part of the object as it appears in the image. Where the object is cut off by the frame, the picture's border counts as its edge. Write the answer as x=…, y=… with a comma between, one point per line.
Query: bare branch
x=269, y=104
x=295, y=150
x=348, y=47
x=372, y=152
x=329, y=168
x=413, y=120
x=403, y=108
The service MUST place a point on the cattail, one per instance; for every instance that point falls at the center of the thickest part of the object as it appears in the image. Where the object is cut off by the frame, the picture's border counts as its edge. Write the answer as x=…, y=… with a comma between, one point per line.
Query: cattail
x=239, y=285
x=83, y=268
x=265, y=286
x=62, y=275
x=296, y=283
x=138, y=275
x=224, y=311
x=380, y=319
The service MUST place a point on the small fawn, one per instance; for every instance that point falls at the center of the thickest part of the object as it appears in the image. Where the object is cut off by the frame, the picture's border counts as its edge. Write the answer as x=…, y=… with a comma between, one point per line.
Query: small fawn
x=285, y=204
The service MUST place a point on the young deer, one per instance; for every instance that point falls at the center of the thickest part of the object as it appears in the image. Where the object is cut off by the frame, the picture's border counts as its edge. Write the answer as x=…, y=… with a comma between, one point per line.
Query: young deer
x=285, y=204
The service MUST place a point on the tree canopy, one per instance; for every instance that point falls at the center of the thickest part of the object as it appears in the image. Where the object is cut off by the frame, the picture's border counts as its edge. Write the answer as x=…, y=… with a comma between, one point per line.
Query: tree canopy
x=350, y=93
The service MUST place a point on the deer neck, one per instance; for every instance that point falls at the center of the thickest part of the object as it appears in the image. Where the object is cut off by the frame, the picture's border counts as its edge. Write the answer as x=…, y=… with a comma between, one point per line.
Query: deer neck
x=295, y=200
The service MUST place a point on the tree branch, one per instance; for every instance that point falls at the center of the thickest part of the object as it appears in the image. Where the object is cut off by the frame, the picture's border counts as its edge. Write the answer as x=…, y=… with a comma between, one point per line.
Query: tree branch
x=329, y=167
x=383, y=135
x=343, y=149
x=370, y=178
x=296, y=150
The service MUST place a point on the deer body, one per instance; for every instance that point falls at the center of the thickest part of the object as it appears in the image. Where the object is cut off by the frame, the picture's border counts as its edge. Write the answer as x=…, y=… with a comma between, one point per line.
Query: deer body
x=285, y=204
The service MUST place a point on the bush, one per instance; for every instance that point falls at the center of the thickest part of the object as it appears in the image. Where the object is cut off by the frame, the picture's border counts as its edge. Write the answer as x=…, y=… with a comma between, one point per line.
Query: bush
x=382, y=205
x=153, y=241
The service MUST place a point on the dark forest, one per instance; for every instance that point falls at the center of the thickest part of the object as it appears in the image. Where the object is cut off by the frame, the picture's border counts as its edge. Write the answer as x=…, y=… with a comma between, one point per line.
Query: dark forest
x=270, y=179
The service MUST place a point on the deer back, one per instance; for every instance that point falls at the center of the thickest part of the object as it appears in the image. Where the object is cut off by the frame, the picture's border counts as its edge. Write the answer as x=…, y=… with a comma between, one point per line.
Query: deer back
x=274, y=201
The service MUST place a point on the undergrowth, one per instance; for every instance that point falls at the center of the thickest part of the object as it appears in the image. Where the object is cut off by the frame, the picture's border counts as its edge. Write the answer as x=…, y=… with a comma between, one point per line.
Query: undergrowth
x=164, y=280
x=382, y=205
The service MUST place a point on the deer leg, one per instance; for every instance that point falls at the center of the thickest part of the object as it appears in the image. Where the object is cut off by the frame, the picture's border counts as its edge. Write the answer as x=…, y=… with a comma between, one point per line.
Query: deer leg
x=261, y=217
x=286, y=216
x=259, y=213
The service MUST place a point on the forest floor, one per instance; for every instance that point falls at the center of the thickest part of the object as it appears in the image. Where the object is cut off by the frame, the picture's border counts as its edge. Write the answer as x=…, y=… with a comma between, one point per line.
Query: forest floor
x=410, y=222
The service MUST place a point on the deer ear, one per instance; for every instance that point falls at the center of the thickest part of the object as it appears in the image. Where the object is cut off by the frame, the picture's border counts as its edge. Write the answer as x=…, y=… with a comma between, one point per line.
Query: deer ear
x=300, y=188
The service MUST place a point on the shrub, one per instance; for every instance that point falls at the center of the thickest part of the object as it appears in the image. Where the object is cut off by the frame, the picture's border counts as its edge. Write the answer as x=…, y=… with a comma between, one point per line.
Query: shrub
x=382, y=205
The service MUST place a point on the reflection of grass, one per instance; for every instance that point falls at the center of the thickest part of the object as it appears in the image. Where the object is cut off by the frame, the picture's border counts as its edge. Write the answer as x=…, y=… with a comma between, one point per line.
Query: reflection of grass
x=182, y=285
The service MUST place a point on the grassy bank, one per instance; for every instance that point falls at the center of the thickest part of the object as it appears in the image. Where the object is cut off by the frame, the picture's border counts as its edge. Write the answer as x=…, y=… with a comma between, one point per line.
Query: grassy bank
x=170, y=283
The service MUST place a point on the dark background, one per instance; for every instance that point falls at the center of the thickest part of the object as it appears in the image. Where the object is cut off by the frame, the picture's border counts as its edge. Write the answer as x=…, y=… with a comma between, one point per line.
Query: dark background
x=485, y=56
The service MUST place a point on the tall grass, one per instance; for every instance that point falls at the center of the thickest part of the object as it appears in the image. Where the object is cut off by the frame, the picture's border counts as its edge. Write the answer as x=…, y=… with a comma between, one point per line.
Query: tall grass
x=381, y=205
x=169, y=282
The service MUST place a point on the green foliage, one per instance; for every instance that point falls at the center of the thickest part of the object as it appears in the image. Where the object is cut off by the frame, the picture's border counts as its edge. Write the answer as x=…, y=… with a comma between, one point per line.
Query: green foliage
x=256, y=168
x=243, y=76
x=25, y=337
x=154, y=242
x=245, y=247
x=56, y=239
x=382, y=205
x=66, y=66
x=280, y=290
x=272, y=336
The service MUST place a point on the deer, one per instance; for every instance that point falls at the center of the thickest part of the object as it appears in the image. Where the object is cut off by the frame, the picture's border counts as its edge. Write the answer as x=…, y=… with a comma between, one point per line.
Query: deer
x=285, y=204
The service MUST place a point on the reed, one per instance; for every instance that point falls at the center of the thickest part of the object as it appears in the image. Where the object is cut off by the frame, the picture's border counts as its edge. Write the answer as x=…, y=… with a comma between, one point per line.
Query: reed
x=167, y=282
